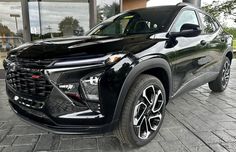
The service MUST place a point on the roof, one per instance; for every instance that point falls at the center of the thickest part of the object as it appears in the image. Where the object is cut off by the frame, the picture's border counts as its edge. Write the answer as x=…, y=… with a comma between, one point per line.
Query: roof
x=176, y=7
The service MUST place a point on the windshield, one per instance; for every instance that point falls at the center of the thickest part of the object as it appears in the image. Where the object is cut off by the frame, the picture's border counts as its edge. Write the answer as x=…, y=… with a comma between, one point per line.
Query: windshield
x=152, y=20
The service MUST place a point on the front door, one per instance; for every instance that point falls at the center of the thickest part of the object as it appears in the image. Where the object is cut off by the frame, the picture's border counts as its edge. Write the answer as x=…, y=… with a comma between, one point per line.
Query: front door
x=191, y=54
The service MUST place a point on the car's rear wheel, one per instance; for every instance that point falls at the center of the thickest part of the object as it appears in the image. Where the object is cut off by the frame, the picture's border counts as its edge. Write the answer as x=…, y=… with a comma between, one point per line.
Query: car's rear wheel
x=221, y=82
x=143, y=111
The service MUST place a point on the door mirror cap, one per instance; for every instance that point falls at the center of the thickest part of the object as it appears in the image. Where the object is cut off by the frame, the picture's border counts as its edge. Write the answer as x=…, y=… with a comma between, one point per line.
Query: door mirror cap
x=187, y=30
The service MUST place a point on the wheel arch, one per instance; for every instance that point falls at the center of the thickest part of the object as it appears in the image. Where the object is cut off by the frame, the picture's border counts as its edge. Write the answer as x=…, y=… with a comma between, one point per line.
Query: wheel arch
x=150, y=66
x=229, y=54
x=162, y=75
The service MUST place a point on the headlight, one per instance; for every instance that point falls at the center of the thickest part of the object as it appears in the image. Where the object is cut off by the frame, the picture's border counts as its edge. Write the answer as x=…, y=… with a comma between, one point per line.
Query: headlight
x=90, y=86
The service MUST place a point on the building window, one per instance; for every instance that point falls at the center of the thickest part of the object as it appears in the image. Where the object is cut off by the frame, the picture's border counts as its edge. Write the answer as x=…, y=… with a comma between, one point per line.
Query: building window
x=49, y=19
x=11, y=27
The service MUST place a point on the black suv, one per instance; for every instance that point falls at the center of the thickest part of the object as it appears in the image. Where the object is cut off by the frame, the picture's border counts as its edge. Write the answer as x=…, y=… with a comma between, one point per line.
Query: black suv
x=121, y=74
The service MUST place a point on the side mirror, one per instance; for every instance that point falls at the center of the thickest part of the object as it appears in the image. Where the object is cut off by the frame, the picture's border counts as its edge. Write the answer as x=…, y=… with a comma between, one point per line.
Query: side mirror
x=187, y=30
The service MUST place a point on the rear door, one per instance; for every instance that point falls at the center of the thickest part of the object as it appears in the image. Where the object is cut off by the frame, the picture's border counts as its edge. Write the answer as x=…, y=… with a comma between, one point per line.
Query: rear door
x=215, y=41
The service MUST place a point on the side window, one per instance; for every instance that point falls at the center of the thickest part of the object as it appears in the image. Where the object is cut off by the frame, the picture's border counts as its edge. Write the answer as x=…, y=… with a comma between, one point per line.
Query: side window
x=208, y=24
x=186, y=17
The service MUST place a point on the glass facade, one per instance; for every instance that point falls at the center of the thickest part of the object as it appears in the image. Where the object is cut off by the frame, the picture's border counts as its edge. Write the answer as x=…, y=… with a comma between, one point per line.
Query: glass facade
x=10, y=27
x=58, y=19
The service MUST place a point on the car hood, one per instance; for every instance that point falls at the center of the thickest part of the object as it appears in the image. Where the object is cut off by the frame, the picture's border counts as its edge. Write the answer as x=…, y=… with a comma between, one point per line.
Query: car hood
x=79, y=46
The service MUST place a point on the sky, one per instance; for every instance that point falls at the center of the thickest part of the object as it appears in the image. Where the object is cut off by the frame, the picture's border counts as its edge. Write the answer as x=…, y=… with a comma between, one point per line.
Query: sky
x=225, y=21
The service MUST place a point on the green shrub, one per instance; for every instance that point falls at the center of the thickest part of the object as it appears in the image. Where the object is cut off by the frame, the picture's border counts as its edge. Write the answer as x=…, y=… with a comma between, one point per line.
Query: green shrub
x=231, y=31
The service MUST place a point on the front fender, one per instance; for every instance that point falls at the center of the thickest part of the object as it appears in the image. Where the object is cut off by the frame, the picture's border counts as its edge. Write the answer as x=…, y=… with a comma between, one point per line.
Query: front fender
x=228, y=46
x=133, y=74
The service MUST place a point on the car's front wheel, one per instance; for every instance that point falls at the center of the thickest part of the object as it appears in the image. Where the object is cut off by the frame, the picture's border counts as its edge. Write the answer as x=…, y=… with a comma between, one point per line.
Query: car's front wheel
x=143, y=111
x=221, y=82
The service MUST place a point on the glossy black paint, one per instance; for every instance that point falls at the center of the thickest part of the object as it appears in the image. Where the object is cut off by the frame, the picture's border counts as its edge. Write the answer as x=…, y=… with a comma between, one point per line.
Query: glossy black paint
x=181, y=63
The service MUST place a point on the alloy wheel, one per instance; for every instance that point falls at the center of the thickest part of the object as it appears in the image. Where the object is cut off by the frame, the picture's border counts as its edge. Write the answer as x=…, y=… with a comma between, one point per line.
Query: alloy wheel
x=226, y=74
x=148, y=112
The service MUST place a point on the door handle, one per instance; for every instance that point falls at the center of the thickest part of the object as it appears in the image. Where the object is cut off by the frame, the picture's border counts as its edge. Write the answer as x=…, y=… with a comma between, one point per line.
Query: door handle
x=203, y=42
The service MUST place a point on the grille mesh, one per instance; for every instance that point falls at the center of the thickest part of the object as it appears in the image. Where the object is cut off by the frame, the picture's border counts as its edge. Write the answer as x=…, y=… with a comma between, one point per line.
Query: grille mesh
x=29, y=81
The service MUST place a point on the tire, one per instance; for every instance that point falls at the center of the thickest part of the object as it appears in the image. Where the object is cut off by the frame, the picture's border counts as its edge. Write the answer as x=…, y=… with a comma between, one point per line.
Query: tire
x=151, y=108
x=221, y=82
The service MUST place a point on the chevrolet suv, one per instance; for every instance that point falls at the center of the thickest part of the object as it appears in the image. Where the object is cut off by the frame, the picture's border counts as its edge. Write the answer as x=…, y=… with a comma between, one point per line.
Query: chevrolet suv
x=120, y=76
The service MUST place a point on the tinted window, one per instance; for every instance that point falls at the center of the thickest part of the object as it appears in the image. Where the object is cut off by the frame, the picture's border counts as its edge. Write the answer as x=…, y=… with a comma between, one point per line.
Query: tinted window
x=208, y=24
x=186, y=17
x=152, y=20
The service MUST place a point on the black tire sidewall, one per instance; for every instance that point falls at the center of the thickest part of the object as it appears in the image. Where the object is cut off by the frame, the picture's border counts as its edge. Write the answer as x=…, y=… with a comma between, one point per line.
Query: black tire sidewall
x=157, y=83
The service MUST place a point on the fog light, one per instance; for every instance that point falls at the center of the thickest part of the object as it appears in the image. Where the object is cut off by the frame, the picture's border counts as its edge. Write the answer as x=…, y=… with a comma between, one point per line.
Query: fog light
x=90, y=87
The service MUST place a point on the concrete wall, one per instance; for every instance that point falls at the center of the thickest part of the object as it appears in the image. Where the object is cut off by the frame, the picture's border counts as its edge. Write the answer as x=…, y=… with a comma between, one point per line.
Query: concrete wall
x=133, y=4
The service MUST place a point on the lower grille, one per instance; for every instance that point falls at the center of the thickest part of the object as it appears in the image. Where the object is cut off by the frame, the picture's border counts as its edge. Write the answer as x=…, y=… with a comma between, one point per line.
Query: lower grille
x=30, y=82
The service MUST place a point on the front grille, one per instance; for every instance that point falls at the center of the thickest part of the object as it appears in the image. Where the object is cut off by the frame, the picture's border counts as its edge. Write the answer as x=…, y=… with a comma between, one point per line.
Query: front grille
x=30, y=63
x=34, y=63
x=30, y=82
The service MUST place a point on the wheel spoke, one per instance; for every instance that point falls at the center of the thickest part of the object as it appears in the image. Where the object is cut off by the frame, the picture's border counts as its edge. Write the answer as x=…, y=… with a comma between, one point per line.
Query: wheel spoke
x=150, y=88
x=158, y=102
x=143, y=131
x=154, y=121
x=139, y=112
x=223, y=79
x=227, y=77
x=227, y=67
x=226, y=73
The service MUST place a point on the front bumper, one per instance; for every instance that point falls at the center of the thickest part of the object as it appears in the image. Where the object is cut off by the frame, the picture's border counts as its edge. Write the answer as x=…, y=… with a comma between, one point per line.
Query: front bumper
x=56, y=112
x=35, y=96
x=43, y=119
